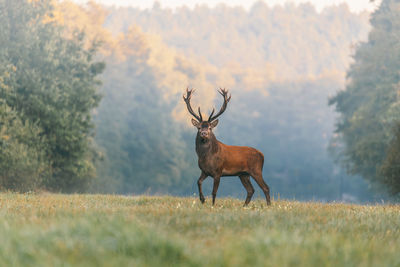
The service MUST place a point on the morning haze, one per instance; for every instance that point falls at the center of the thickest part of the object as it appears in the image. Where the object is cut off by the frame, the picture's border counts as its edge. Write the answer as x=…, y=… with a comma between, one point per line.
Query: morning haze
x=265, y=135
x=122, y=127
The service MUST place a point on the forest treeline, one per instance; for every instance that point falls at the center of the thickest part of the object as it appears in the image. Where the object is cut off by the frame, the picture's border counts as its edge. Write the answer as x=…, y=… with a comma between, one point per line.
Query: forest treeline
x=48, y=89
x=281, y=65
x=368, y=140
x=287, y=42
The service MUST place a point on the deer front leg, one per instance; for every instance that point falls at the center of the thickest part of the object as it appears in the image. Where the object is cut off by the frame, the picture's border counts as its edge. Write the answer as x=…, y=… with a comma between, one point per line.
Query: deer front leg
x=215, y=188
x=203, y=176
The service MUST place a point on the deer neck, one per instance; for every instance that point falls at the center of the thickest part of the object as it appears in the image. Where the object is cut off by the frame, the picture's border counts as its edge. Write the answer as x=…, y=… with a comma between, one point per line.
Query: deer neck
x=206, y=147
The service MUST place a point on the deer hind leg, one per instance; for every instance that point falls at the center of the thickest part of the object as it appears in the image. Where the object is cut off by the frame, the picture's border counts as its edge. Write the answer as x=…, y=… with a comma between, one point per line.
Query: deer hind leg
x=261, y=183
x=215, y=189
x=202, y=177
x=245, y=179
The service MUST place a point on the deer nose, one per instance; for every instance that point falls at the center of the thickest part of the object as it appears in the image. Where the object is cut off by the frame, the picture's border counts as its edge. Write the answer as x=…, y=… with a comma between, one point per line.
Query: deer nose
x=203, y=134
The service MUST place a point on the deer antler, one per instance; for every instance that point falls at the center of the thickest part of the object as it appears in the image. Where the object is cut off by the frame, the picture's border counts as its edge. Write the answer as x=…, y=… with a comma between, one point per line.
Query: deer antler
x=224, y=93
x=187, y=101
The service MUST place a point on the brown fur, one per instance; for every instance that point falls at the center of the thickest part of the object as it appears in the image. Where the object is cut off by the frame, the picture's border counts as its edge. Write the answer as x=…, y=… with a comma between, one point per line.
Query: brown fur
x=217, y=159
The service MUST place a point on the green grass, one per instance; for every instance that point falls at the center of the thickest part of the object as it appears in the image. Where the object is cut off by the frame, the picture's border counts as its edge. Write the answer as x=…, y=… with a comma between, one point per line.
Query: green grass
x=104, y=230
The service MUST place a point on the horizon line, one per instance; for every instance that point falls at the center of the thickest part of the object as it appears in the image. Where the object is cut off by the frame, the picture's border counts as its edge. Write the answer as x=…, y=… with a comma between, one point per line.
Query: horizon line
x=148, y=5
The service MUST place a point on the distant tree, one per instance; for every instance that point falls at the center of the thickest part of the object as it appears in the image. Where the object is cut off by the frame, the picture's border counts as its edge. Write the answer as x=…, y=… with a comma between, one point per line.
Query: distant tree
x=144, y=148
x=369, y=107
x=52, y=87
x=298, y=40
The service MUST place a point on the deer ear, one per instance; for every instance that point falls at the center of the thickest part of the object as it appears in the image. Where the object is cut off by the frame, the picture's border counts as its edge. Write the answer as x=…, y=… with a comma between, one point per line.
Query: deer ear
x=195, y=123
x=214, y=123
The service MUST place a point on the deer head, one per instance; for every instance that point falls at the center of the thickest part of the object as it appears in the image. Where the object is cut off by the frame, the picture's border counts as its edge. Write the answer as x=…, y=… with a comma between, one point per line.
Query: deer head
x=205, y=126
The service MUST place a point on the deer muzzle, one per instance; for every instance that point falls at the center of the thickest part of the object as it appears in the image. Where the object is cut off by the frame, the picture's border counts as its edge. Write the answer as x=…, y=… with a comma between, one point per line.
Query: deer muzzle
x=204, y=134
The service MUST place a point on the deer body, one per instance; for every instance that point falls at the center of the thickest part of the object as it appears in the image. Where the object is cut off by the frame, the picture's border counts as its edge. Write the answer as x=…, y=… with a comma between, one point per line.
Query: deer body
x=216, y=159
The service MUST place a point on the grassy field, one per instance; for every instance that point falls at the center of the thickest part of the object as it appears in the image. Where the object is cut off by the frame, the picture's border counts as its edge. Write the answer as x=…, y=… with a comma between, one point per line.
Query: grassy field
x=104, y=230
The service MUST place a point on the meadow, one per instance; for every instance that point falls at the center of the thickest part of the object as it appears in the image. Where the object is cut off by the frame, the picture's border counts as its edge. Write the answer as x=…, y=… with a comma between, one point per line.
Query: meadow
x=110, y=230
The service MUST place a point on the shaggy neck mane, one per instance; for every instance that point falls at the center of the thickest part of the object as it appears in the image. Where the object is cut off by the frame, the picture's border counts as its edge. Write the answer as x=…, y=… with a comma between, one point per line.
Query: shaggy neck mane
x=204, y=147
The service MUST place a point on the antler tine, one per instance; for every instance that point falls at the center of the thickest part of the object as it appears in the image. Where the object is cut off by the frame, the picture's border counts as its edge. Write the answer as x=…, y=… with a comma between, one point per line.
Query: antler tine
x=212, y=112
x=201, y=118
x=189, y=107
x=224, y=93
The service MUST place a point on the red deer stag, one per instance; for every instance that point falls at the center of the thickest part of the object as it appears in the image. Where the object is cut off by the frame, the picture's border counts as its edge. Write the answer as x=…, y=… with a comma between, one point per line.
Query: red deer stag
x=217, y=159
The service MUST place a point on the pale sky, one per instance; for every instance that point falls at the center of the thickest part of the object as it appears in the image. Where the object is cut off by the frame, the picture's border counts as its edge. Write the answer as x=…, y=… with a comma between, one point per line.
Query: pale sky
x=355, y=5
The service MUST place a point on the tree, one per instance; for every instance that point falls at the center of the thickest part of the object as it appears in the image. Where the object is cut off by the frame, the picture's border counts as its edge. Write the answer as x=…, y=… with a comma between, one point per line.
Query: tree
x=369, y=107
x=143, y=143
x=23, y=164
x=390, y=169
x=52, y=85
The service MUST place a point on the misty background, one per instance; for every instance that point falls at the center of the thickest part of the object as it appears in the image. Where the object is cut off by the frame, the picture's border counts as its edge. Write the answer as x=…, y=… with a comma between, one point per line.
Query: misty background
x=281, y=64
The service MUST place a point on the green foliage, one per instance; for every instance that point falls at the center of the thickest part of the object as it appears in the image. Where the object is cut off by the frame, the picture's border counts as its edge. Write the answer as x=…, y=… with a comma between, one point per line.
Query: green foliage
x=50, y=84
x=23, y=164
x=390, y=169
x=369, y=106
x=105, y=230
